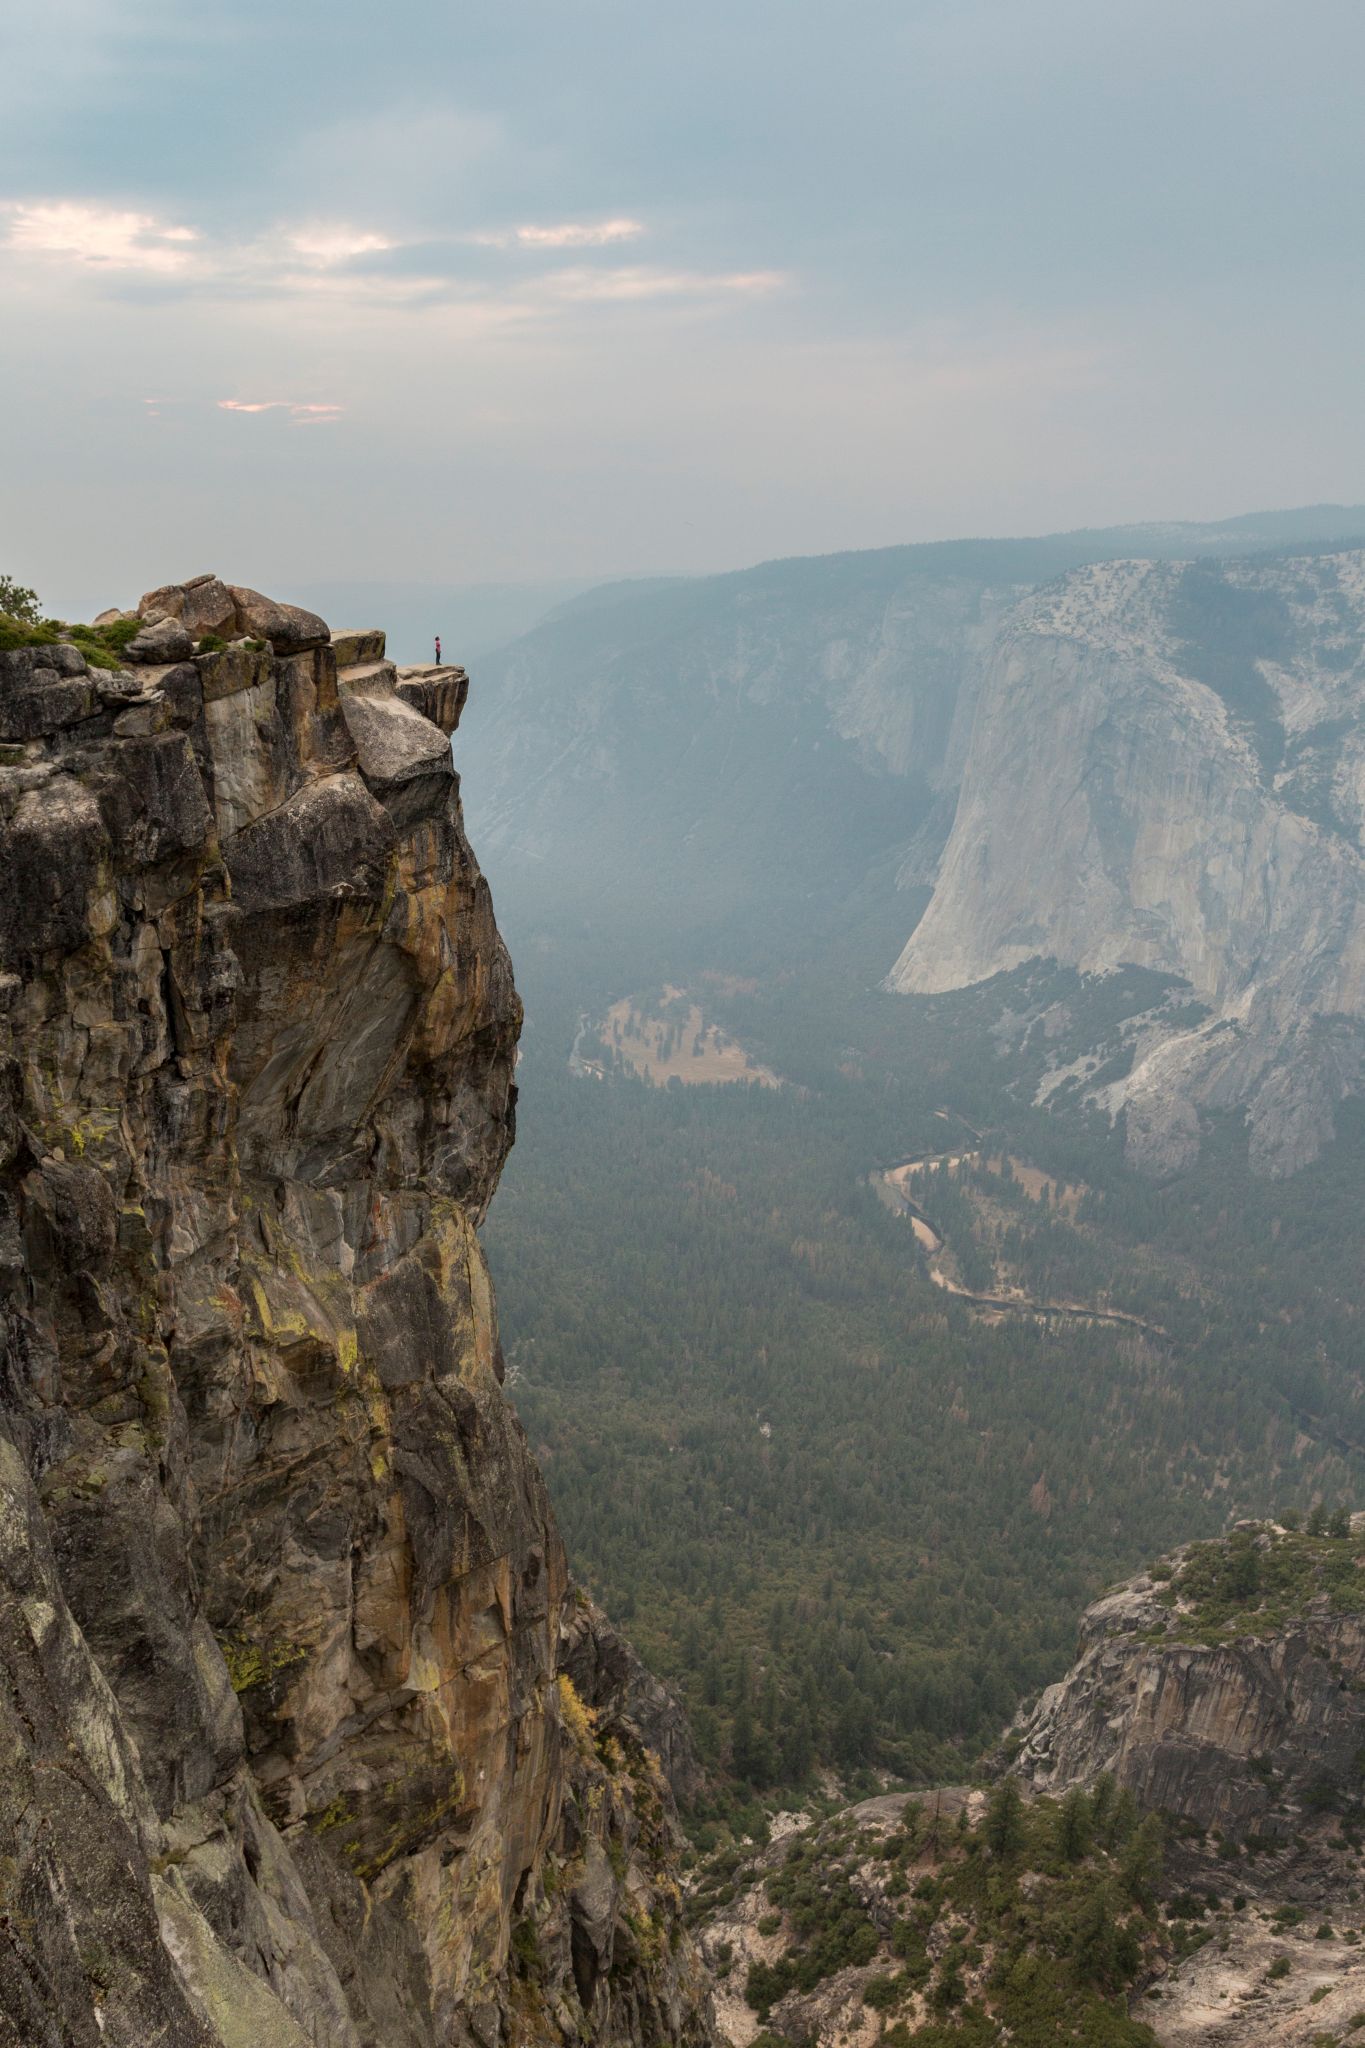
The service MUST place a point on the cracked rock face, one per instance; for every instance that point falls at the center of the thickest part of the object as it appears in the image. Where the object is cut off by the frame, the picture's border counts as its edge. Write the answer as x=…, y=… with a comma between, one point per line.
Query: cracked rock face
x=286, y=1755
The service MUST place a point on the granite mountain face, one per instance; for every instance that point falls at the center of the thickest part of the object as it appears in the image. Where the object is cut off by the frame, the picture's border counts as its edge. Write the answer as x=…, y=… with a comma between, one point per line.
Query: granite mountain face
x=1134, y=747
x=1167, y=768
x=306, y=1736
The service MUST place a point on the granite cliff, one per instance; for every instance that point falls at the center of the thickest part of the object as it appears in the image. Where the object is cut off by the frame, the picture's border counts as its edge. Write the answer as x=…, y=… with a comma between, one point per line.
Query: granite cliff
x=1135, y=747
x=1170, y=1852
x=1226, y=1686
x=1167, y=768
x=763, y=745
x=306, y=1736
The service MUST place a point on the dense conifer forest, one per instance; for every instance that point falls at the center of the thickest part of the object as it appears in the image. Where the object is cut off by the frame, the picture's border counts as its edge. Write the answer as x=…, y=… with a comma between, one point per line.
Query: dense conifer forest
x=852, y=1517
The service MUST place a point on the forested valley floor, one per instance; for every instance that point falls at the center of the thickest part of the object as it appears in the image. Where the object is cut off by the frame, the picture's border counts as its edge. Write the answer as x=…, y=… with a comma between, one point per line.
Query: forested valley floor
x=852, y=1517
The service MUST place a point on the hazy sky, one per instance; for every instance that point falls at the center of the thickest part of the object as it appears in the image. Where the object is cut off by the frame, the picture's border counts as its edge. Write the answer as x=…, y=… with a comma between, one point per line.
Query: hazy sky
x=468, y=289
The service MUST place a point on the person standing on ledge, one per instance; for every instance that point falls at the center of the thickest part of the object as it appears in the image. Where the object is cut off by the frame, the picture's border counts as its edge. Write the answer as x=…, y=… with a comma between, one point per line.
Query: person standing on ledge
x=438, y=650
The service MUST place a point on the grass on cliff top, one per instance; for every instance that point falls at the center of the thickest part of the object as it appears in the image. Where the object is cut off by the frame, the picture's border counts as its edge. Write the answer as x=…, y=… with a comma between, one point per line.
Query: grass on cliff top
x=102, y=646
x=1258, y=1579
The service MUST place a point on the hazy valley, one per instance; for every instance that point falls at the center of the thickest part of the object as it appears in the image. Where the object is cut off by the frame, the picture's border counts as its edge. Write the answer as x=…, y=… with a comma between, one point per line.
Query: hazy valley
x=936, y=1200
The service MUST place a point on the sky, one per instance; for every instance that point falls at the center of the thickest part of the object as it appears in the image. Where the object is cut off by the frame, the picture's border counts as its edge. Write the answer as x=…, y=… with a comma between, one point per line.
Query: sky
x=471, y=291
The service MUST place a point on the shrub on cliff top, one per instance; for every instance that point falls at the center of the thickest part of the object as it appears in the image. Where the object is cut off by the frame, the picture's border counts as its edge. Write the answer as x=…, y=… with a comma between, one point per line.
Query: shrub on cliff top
x=102, y=646
x=1257, y=1581
x=19, y=603
x=16, y=632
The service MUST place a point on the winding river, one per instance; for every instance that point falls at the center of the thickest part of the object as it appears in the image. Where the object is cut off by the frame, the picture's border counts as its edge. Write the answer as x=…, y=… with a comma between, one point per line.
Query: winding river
x=892, y=1187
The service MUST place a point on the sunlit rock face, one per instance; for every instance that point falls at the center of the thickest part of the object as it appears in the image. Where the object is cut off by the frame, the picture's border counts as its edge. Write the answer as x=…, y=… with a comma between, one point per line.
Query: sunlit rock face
x=285, y=1749
x=1167, y=768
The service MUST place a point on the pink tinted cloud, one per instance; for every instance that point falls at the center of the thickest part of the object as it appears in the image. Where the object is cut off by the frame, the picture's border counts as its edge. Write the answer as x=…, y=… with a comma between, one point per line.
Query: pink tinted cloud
x=107, y=237
x=303, y=413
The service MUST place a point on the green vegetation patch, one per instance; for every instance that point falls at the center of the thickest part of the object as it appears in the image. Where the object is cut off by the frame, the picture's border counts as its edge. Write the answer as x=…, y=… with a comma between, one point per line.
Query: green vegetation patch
x=852, y=1521
x=22, y=633
x=1031, y=1926
x=1257, y=1580
x=102, y=646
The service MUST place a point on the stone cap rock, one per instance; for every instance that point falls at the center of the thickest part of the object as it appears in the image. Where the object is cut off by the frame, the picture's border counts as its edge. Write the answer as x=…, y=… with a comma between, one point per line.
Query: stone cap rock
x=438, y=693
x=205, y=604
x=355, y=644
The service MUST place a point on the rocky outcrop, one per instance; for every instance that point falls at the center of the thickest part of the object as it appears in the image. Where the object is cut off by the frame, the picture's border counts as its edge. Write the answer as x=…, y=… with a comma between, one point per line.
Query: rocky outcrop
x=1249, y=1724
x=624, y=1694
x=207, y=606
x=287, y=1755
x=1167, y=768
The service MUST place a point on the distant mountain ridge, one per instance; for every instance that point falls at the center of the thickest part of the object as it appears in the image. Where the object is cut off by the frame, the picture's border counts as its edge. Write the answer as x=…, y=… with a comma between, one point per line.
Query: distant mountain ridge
x=773, y=731
x=761, y=746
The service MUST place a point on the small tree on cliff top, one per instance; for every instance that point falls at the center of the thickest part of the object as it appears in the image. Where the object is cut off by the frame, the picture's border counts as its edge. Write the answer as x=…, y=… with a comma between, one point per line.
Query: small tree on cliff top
x=18, y=602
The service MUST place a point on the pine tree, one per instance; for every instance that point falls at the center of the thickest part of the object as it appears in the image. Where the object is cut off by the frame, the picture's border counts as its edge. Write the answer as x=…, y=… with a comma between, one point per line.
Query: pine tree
x=1094, y=1945
x=1004, y=1823
x=1140, y=1870
x=1073, y=1826
x=1123, y=1821
x=1243, y=1571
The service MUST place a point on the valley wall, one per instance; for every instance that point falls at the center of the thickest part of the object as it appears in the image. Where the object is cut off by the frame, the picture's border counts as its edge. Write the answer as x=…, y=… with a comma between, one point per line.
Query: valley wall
x=1167, y=768
x=1135, y=747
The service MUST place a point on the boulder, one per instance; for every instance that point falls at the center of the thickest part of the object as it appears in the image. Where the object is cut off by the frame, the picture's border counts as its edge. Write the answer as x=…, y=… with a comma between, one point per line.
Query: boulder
x=394, y=742
x=203, y=605
x=288, y=627
x=43, y=689
x=331, y=839
x=168, y=640
x=358, y=645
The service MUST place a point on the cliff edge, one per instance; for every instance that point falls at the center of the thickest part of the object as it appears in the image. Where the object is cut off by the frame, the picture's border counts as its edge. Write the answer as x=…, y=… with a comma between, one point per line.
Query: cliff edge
x=290, y=1752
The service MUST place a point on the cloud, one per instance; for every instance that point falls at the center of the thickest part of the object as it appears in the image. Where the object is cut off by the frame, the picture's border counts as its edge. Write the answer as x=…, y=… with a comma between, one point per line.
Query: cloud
x=565, y=236
x=329, y=245
x=363, y=269
x=645, y=282
x=101, y=236
x=302, y=413
x=80, y=237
